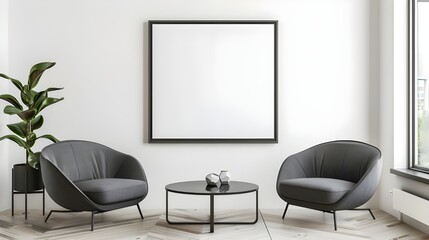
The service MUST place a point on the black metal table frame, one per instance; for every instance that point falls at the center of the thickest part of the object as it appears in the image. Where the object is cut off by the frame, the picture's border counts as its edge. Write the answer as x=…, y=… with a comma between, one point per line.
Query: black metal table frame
x=212, y=221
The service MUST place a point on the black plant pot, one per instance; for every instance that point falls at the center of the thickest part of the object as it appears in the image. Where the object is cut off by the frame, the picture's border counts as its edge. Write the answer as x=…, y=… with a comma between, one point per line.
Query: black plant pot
x=34, y=178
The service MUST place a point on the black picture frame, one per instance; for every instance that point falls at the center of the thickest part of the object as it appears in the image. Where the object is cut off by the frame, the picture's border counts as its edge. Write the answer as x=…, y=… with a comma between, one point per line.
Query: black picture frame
x=157, y=83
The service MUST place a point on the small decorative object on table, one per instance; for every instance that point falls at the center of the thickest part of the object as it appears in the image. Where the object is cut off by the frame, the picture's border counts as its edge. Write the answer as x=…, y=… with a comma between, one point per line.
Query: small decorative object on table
x=224, y=188
x=212, y=179
x=212, y=188
x=224, y=177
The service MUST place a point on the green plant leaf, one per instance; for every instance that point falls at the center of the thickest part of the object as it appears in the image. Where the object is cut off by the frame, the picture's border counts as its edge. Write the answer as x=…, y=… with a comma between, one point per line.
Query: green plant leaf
x=19, y=129
x=33, y=159
x=39, y=98
x=28, y=95
x=11, y=99
x=27, y=115
x=11, y=110
x=38, y=95
x=48, y=101
x=37, y=71
x=15, y=82
x=24, y=95
x=44, y=94
x=15, y=139
x=52, y=89
x=37, y=122
x=31, y=96
x=31, y=139
x=50, y=137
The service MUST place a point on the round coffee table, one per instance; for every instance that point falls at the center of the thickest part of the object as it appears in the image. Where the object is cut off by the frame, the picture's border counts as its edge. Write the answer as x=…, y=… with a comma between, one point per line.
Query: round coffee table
x=201, y=188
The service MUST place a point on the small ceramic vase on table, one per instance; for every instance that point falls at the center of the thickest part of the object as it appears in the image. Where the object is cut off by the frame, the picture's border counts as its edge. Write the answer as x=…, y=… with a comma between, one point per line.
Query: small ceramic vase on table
x=212, y=179
x=224, y=177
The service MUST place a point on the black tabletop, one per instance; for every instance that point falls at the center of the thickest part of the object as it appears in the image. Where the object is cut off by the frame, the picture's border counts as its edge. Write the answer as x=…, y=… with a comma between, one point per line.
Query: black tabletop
x=201, y=188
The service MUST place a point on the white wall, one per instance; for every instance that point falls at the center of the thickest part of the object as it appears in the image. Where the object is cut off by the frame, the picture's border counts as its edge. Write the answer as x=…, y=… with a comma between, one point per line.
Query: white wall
x=4, y=87
x=386, y=101
x=100, y=48
x=393, y=102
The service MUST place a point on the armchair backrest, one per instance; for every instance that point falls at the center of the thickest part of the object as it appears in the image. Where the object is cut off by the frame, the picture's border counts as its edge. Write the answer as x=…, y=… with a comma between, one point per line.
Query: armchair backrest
x=83, y=160
x=345, y=160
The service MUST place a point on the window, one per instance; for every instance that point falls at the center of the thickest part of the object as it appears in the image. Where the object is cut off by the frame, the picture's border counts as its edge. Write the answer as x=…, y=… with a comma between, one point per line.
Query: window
x=418, y=84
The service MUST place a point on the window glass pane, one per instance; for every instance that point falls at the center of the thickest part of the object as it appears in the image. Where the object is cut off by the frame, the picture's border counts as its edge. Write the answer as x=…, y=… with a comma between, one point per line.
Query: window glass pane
x=421, y=85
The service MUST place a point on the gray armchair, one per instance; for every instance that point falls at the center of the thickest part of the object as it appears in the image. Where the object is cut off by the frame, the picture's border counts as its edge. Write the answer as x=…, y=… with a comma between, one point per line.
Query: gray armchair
x=332, y=176
x=87, y=176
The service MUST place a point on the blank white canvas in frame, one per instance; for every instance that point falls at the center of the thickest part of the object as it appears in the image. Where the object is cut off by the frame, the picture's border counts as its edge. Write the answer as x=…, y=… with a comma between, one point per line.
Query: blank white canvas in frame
x=213, y=81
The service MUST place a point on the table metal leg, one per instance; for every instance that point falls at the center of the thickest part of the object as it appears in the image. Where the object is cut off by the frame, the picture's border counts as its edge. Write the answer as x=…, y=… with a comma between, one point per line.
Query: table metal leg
x=211, y=213
x=166, y=207
x=211, y=221
x=257, y=207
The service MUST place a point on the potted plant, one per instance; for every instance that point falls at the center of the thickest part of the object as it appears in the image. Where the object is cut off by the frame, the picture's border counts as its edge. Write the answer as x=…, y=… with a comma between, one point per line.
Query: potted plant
x=26, y=176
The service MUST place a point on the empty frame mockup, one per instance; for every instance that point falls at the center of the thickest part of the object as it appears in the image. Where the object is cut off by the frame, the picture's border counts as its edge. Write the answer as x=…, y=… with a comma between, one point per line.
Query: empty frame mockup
x=213, y=81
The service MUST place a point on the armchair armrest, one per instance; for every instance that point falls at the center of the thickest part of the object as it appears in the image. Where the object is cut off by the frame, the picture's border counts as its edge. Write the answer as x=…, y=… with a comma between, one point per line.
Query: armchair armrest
x=290, y=169
x=131, y=169
x=63, y=191
x=363, y=190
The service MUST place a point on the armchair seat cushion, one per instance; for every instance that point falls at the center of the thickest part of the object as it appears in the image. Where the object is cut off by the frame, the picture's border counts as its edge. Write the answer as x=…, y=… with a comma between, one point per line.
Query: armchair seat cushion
x=112, y=190
x=315, y=190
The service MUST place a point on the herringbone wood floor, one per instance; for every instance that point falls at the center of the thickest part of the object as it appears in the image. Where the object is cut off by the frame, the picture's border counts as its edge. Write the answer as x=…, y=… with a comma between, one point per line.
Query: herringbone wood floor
x=299, y=223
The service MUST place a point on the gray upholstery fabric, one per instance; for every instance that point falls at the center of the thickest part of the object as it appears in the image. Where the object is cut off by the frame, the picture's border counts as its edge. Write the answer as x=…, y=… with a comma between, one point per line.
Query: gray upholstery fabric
x=112, y=190
x=82, y=160
x=68, y=168
x=350, y=161
x=315, y=190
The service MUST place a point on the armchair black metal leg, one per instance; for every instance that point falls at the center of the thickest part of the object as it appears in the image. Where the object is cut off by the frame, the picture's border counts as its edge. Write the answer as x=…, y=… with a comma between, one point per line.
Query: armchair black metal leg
x=49, y=214
x=284, y=213
x=335, y=221
x=92, y=221
x=140, y=211
x=58, y=211
x=372, y=215
x=364, y=209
